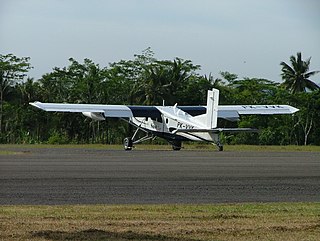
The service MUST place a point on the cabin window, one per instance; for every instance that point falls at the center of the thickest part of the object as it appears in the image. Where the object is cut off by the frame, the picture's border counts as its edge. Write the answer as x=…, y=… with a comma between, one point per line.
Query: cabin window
x=157, y=119
x=167, y=121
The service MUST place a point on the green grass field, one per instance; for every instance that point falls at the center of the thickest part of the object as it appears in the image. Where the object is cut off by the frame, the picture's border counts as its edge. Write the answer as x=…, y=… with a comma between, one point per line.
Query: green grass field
x=272, y=221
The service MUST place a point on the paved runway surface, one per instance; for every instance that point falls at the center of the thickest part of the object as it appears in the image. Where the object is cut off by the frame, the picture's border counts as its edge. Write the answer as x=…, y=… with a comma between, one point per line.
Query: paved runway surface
x=87, y=176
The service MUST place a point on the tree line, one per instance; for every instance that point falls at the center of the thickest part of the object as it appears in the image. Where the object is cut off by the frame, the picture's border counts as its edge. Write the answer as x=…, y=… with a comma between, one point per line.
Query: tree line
x=145, y=80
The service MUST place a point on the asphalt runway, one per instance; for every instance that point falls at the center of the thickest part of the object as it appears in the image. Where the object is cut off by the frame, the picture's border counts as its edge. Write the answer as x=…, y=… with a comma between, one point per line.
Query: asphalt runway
x=88, y=176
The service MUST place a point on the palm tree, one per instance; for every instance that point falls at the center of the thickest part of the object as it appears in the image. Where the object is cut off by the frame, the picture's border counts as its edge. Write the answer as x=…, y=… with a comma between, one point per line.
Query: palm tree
x=152, y=88
x=164, y=80
x=296, y=78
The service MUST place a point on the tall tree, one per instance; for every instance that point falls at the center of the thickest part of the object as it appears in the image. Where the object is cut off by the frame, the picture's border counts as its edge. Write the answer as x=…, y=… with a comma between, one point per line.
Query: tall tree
x=12, y=69
x=124, y=78
x=153, y=85
x=297, y=76
x=164, y=80
x=87, y=79
x=253, y=90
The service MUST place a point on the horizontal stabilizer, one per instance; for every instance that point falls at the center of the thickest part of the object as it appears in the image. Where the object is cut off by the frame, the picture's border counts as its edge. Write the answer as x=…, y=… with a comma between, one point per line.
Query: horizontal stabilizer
x=216, y=130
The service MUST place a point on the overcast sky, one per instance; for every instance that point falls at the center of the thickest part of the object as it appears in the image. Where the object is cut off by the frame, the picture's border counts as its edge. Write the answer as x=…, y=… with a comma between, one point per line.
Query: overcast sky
x=246, y=37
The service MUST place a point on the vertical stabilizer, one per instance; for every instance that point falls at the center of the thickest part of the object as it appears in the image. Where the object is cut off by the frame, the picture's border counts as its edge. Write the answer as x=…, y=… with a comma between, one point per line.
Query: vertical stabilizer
x=212, y=108
x=210, y=118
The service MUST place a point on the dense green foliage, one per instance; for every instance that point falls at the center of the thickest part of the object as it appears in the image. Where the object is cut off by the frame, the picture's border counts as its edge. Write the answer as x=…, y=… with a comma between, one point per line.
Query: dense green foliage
x=148, y=81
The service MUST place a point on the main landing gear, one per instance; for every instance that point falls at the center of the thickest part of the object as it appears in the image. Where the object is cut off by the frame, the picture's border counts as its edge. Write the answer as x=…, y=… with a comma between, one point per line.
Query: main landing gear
x=220, y=147
x=176, y=145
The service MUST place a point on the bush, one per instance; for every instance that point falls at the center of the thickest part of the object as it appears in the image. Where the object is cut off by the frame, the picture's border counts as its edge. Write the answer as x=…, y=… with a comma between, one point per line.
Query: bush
x=58, y=138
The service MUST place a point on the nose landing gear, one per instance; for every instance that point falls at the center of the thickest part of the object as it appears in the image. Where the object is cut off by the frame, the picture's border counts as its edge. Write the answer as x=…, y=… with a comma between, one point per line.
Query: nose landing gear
x=128, y=143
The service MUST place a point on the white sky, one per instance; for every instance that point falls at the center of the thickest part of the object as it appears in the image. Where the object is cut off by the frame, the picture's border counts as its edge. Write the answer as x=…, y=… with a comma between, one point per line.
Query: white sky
x=246, y=37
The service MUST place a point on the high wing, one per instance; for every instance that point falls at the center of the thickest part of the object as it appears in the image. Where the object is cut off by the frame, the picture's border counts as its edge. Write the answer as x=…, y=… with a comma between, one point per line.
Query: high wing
x=229, y=112
x=121, y=111
x=107, y=110
x=232, y=112
x=259, y=109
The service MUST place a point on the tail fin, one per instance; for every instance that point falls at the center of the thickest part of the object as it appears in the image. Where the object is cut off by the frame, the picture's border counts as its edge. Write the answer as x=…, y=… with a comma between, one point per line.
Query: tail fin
x=212, y=108
x=209, y=120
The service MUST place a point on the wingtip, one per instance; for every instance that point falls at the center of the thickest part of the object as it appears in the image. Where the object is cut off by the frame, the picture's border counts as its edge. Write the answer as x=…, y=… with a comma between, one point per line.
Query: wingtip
x=294, y=110
x=35, y=104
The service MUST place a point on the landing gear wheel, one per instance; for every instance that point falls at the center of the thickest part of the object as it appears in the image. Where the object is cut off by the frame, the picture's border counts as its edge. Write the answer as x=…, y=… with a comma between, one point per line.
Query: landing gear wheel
x=220, y=147
x=127, y=144
x=176, y=145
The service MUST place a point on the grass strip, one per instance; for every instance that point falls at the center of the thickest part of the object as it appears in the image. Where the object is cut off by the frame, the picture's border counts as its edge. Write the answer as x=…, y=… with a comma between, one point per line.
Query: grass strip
x=7, y=152
x=253, y=221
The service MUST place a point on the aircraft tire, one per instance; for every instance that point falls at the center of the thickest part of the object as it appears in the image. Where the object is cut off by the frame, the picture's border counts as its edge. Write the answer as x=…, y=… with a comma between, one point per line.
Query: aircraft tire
x=127, y=144
x=176, y=146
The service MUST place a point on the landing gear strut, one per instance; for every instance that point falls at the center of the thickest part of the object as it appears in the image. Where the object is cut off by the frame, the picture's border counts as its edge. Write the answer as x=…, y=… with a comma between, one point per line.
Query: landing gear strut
x=219, y=145
x=128, y=142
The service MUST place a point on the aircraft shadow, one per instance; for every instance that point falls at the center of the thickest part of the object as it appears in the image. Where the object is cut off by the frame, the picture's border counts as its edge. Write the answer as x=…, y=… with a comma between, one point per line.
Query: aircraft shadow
x=101, y=235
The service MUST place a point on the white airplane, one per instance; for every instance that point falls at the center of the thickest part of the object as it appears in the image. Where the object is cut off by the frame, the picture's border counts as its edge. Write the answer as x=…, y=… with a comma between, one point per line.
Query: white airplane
x=173, y=123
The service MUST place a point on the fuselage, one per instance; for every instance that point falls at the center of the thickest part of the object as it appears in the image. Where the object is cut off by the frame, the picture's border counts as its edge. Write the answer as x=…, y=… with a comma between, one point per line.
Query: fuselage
x=166, y=126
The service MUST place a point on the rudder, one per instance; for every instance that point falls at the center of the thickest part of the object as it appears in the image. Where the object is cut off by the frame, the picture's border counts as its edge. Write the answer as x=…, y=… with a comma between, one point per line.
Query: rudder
x=210, y=118
x=212, y=108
